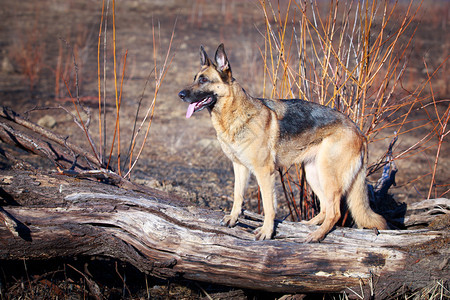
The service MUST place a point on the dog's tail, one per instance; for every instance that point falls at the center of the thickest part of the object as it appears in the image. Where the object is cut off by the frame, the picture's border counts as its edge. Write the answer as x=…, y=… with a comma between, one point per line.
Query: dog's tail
x=358, y=200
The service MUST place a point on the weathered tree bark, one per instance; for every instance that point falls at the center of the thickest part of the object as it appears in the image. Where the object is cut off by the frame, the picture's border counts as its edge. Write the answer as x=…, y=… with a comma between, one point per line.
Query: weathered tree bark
x=61, y=216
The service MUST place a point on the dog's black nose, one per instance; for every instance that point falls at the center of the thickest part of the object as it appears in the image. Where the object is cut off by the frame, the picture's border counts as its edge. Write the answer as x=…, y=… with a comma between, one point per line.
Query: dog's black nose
x=183, y=94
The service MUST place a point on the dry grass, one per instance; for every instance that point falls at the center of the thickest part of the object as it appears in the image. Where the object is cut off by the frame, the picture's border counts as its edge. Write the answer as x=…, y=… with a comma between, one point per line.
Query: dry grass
x=140, y=131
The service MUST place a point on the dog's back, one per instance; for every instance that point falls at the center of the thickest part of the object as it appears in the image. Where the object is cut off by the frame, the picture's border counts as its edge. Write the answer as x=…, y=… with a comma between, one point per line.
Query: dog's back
x=297, y=116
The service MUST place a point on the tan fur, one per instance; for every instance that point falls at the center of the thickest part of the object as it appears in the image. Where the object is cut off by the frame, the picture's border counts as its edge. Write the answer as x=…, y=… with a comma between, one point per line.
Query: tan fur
x=250, y=134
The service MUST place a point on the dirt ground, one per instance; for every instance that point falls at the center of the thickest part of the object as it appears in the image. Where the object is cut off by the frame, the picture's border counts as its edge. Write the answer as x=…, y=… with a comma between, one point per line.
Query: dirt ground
x=181, y=155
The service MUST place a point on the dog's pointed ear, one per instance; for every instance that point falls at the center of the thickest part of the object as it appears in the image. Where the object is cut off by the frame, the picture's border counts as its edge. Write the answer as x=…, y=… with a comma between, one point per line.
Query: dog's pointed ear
x=222, y=63
x=204, y=59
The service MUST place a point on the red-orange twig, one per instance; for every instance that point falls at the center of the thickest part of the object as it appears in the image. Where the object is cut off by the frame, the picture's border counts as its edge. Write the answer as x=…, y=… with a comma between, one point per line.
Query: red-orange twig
x=99, y=84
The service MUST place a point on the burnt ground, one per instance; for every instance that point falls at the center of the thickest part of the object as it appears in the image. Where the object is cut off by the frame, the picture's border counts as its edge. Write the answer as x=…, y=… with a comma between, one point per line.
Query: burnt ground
x=181, y=155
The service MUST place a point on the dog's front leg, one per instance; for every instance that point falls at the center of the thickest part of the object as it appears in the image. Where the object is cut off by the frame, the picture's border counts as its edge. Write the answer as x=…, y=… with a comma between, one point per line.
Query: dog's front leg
x=241, y=175
x=266, y=182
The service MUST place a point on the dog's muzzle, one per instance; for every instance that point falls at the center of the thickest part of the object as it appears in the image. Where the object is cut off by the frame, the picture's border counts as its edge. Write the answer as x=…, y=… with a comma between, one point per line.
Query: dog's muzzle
x=197, y=102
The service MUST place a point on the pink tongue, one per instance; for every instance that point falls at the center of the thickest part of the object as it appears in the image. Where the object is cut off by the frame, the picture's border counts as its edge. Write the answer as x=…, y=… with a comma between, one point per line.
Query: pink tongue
x=190, y=110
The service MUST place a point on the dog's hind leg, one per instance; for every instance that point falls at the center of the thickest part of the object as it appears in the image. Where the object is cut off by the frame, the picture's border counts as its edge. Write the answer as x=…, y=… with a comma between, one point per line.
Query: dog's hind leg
x=266, y=181
x=331, y=217
x=312, y=178
x=328, y=185
x=241, y=175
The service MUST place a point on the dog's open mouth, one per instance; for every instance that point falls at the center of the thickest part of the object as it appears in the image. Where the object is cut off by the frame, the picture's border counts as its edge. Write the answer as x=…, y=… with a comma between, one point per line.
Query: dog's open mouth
x=197, y=106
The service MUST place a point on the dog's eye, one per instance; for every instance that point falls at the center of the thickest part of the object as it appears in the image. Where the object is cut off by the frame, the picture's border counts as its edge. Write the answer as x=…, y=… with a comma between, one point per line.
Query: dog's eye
x=203, y=79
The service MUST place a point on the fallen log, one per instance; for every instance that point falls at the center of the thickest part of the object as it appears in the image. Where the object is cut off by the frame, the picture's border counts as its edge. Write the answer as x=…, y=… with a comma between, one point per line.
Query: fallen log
x=20, y=132
x=62, y=216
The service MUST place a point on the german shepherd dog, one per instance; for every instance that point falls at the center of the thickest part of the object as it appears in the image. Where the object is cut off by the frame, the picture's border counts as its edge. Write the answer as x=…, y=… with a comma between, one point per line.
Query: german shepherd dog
x=261, y=135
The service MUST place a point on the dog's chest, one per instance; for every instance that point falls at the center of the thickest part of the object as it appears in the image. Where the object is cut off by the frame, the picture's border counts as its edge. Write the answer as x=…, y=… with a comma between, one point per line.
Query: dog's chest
x=247, y=140
x=234, y=144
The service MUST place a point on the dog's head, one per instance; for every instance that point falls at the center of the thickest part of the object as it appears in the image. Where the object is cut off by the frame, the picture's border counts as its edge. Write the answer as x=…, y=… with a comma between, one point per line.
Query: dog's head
x=210, y=84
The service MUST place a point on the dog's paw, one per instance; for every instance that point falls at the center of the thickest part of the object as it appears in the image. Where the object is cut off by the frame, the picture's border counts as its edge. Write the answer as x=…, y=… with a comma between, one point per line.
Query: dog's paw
x=229, y=221
x=263, y=233
x=314, y=237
